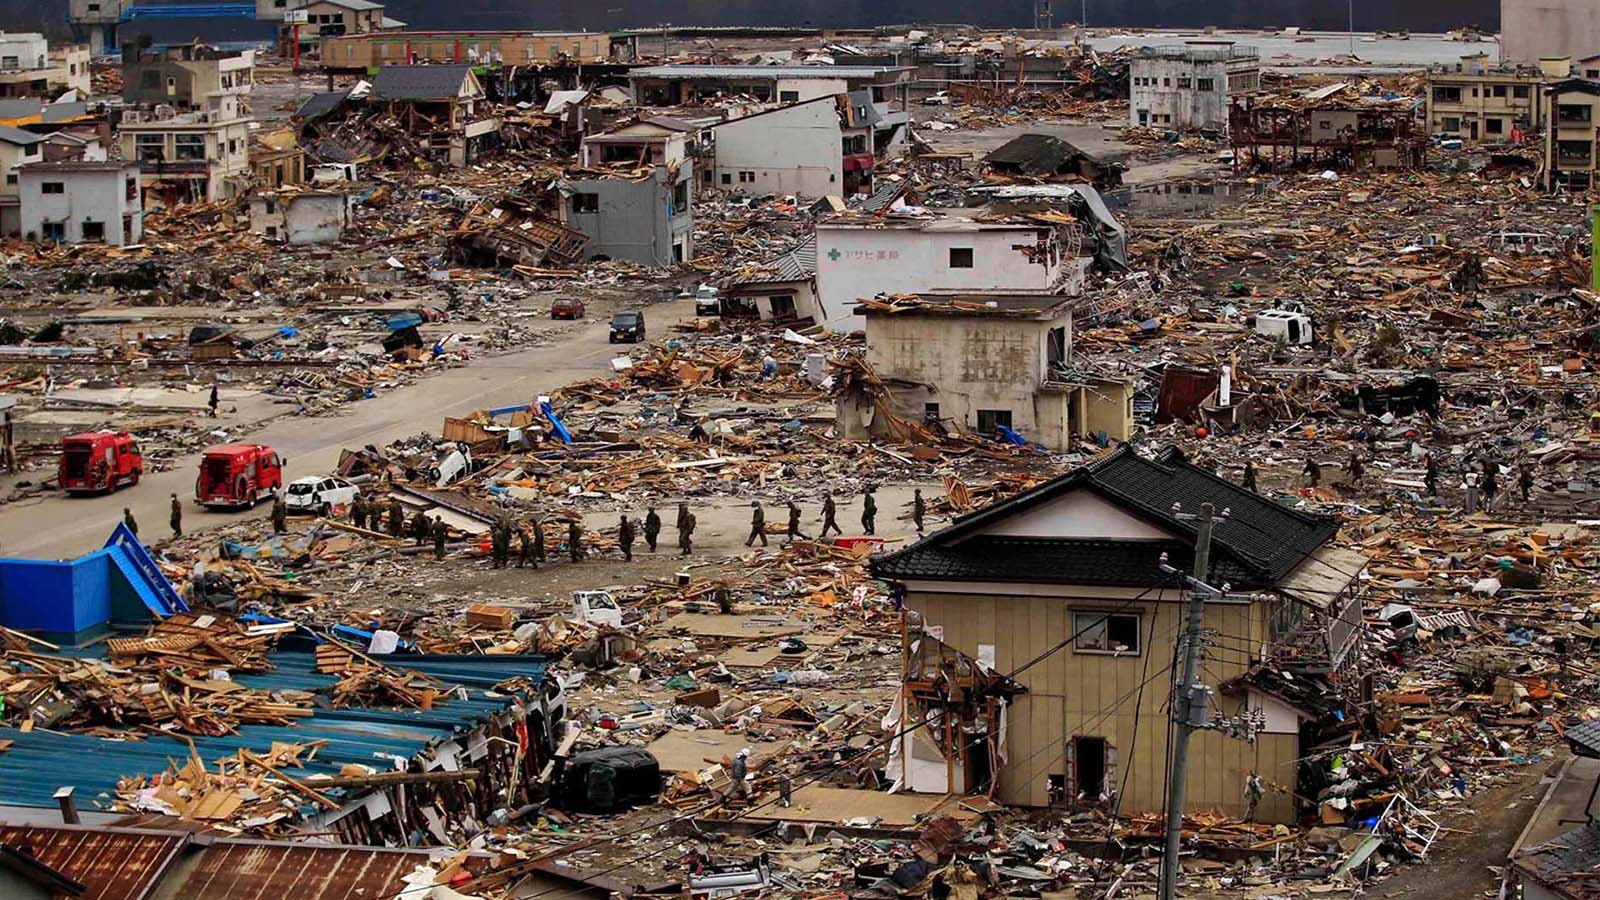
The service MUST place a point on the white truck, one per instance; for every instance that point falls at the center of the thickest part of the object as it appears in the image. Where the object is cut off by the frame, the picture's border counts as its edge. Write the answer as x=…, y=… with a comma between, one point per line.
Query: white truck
x=595, y=608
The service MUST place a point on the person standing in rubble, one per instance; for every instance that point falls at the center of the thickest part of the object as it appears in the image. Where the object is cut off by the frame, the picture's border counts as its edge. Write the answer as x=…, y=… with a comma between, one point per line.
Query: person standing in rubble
x=869, y=512
x=1491, y=483
x=280, y=515
x=686, y=534
x=829, y=514
x=1430, y=475
x=525, y=549
x=793, y=531
x=538, y=540
x=397, y=518
x=130, y=521
x=440, y=532
x=176, y=520
x=1313, y=471
x=1250, y=477
x=698, y=433
x=358, y=513
x=214, y=402
x=420, y=529
x=740, y=772
x=575, y=541
x=625, y=537
x=919, y=509
x=652, y=528
x=758, y=525
x=500, y=543
x=1525, y=480
x=1357, y=467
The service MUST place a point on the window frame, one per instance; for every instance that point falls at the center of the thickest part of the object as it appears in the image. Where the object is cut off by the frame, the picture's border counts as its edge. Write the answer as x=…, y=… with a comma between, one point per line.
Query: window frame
x=1083, y=623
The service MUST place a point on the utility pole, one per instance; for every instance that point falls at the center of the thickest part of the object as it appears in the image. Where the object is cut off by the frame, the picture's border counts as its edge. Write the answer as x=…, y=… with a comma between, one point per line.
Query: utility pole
x=1352, y=5
x=1184, y=709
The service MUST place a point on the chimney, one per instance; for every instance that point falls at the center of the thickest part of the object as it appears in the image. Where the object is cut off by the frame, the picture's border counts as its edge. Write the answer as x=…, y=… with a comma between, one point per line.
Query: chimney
x=69, y=809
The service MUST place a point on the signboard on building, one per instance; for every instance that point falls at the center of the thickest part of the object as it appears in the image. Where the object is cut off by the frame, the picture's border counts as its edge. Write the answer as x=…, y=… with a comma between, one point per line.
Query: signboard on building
x=296, y=17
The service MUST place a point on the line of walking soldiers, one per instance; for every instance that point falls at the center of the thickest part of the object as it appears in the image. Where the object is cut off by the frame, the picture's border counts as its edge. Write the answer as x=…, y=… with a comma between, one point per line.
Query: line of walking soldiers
x=531, y=541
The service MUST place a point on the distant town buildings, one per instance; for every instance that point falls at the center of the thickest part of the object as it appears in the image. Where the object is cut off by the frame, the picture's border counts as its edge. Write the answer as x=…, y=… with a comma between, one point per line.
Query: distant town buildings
x=1188, y=87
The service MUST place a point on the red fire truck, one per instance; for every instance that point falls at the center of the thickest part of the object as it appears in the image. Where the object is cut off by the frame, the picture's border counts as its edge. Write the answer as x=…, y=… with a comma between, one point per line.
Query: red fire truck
x=99, y=461
x=235, y=475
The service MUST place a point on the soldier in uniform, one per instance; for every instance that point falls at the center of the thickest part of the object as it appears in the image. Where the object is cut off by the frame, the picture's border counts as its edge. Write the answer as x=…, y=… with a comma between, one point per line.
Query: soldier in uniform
x=420, y=528
x=919, y=509
x=758, y=525
x=869, y=513
x=625, y=537
x=652, y=528
x=130, y=521
x=794, y=523
x=829, y=511
x=525, y=550
x=280, y=515
x=575, y=541
x=176, y=520
x=1250, y=476
x=440, y=532
x=397, y=519
x=686, y=534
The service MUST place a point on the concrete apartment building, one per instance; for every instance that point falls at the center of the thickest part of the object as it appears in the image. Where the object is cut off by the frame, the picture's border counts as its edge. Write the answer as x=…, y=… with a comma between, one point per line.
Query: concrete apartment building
x=641, y=210
x=974, y=362
x=1188, y=87
x=1478, y=104
x=812, y=149
x=199, y=156
x=1571, y=154
x=30, y=67
x=862, y=258
x=81, y=202
x=185, y=75
x=366, y=52
x=1532, y=30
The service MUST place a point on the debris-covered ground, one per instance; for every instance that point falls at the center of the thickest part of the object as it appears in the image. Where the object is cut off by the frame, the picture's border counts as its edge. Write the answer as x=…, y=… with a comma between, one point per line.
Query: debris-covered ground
x=1443, y=408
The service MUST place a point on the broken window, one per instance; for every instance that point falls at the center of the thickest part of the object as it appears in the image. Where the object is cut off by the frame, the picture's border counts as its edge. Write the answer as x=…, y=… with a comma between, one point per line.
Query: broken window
x=1205, y=85
x=680, y=198
x=1494, y=126
x=94, y=231
x=585, y=203
x=747, y=177
x=1443, y=94
x=989, y=420
x=53, y=187
x=1096, y=632
x=1056, y=348
x=1450, y=124
x=788, y=96
x=1573, y=153
x=1183, y=81
x=189, y=146
x=1089, y=768
x=727, y=178
x=1574, y=113
x=1498, y=90
x=54, y=231
x=960, y=257
x=1520, y=91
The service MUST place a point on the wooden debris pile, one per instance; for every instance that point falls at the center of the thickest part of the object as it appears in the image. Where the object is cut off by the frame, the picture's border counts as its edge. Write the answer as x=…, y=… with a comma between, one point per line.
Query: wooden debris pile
x=247, y=790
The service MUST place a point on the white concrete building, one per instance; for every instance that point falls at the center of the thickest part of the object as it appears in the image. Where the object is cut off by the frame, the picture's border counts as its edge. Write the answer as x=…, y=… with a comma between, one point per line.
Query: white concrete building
x=75, y=202
x=862, y=258
x=299, y=218
x=1532, y=30
x=203, y=156
x=1189, y=86
x=30, y=67
x=17, y=147
x=808, y=148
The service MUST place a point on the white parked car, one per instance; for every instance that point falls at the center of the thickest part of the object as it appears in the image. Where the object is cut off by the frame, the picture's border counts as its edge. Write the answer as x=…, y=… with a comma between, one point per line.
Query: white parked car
x=938, y=98
x=320, y=495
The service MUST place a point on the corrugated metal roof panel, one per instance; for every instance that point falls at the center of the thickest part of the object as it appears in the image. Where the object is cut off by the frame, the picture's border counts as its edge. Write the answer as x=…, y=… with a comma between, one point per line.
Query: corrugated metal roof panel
x=111, y=866
x=261, y=871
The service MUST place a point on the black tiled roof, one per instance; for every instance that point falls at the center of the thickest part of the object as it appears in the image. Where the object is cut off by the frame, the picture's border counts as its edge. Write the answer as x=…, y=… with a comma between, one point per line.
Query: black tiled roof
x=1258, y=544
x=419, y=82
x=1584, y=739
x=1554, y=862
x=319, y=105
x=1033, y=154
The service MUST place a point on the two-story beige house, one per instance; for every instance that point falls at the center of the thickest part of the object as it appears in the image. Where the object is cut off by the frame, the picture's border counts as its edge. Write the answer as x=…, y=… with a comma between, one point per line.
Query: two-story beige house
x=1040, y=634
x=1571, y=154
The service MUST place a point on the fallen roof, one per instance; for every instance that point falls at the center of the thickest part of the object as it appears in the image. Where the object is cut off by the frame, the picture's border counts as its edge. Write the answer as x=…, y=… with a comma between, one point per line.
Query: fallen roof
x=1035, y=154
x=40, y=761
x=319, y=105
x=420, y=82
x=798, y=264
x=1564, y=860
x=1260, y=543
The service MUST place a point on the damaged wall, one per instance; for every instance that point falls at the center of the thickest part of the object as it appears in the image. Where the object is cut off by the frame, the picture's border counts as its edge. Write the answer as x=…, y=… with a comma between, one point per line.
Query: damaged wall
x=635, y=220
x=793, y=150
x=1095, y=694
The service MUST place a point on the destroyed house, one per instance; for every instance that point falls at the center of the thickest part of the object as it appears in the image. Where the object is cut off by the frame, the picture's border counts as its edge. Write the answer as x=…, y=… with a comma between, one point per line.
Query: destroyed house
x=815, y=148
x=1474, y=103
x=782, y=289
x=364, y=52
x=480, y=704
x=1047, y=157
x=29, y=67
x=199, y=156
x=1562, y=867
x=633, y=193
x=438, y=107
x=1064, y=586
x=1273, y=134
x=912, y=252
x=988, y=364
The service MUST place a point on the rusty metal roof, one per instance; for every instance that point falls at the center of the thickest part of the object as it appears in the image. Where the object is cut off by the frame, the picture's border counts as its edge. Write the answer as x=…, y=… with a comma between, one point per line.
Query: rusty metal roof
x=111, y=865
x=250, y=870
